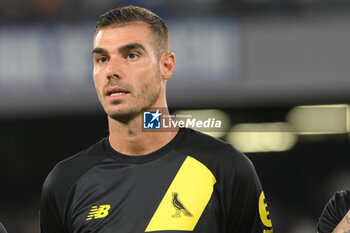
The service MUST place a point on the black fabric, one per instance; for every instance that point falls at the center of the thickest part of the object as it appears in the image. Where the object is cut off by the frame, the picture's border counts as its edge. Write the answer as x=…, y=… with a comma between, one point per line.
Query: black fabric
x=2, y=229
x=59, y=183
x=334, y=212
x=135, y=185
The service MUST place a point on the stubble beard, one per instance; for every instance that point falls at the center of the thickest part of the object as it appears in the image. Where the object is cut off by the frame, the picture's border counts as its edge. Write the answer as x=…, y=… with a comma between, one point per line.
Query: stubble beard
x=139, y=104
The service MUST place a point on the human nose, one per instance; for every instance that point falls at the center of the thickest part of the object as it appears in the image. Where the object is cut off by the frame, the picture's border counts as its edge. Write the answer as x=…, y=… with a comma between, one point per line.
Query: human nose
x=113, y=68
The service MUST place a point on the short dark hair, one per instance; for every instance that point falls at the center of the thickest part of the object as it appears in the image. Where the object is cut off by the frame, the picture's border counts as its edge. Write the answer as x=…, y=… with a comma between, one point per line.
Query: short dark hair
x=130, y=14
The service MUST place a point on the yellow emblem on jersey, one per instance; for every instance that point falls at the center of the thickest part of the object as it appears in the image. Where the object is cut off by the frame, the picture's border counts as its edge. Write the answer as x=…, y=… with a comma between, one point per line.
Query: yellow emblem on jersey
x=98, y=212
x=179, y=207
x=187, y=196
x=264, y=213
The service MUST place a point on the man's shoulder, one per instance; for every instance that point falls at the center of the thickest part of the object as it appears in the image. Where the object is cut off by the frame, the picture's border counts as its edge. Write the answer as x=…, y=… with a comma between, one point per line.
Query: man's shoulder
x=197, y=138
x=213, y=151
x=68, y=170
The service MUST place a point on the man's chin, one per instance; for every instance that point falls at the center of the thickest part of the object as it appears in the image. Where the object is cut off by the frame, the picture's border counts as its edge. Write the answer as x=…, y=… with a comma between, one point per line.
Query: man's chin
x=124, y=115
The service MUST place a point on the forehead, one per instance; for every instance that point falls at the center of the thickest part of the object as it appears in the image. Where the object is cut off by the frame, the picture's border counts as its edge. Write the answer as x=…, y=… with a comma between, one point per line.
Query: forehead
x=116, y=36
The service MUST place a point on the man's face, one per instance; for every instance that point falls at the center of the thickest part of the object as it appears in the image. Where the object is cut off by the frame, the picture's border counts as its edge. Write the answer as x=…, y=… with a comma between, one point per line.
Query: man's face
x=126, y=69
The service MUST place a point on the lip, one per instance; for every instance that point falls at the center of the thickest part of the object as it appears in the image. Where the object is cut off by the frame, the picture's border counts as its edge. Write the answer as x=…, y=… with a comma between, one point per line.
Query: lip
x=112, y=90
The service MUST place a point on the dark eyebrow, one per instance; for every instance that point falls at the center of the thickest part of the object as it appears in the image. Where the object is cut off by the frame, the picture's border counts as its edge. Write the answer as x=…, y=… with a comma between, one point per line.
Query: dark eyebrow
x=131, y=47
x=99, y=50
x=121, y=49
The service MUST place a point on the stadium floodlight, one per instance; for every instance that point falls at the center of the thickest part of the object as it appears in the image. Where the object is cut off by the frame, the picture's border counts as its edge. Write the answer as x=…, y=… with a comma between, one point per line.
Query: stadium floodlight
x=262, y=137
x=320, y=119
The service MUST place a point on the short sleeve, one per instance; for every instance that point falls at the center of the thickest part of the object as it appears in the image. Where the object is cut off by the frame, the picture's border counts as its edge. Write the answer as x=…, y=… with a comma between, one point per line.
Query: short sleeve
x=51, y=220
x=58, y=184
x=243, y=195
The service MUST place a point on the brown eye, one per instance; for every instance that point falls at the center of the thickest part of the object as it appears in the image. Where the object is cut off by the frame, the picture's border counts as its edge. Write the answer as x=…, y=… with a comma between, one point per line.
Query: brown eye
x=132, y=56
x=101, y=59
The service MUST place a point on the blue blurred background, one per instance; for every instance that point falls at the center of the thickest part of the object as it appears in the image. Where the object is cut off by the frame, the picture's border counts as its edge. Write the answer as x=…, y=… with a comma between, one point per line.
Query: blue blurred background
x=276, y=71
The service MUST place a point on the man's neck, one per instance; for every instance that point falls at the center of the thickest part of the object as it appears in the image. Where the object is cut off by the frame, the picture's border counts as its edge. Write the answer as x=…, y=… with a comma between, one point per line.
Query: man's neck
x=132, y=139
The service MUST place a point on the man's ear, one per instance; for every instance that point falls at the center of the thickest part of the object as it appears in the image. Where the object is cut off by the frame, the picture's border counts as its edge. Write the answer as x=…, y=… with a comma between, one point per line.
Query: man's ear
x=167, y=65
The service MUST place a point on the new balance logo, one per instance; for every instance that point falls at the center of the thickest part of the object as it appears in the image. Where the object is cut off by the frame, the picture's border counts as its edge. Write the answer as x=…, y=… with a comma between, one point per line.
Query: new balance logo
x=98, y=212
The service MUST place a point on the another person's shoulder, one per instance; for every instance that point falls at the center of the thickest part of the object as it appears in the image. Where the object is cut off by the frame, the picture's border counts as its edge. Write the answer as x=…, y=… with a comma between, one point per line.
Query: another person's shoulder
x=214, y=152
x=334, y=211
x=68, y=170
x=2, y=229
x=344, y=197
x=340, y=202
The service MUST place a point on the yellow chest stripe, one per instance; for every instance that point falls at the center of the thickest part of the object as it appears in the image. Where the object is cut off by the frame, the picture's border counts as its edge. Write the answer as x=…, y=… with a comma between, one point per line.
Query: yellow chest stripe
x=192, y=187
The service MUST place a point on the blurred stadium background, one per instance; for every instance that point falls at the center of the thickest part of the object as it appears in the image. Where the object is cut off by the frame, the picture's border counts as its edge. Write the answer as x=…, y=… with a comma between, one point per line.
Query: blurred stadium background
x=275, y=71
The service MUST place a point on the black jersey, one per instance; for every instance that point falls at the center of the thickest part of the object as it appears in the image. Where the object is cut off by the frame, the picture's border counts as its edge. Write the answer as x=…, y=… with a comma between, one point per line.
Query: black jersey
x=195, y=183
x=334, y=212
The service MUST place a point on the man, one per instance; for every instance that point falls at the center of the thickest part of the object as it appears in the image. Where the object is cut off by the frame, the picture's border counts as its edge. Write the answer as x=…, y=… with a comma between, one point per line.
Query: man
x=136, y=181
x=335, y=217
